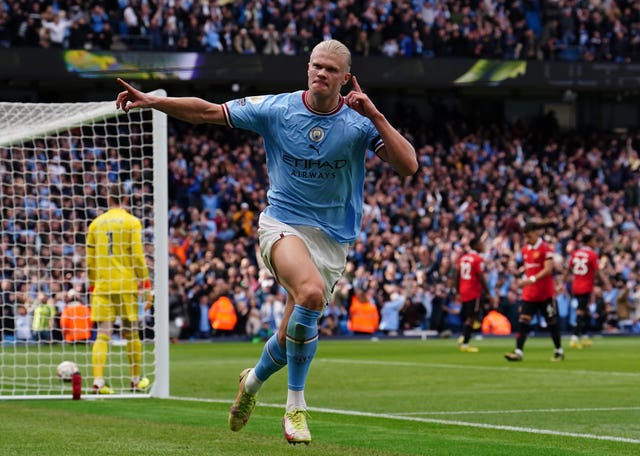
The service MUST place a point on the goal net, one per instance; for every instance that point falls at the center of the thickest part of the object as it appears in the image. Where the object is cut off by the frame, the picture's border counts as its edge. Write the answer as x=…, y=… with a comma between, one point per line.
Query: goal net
x=56, y=163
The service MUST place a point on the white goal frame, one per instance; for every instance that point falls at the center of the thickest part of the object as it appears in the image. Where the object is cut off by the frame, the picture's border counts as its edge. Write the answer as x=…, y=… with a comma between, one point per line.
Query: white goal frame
x=10, y=134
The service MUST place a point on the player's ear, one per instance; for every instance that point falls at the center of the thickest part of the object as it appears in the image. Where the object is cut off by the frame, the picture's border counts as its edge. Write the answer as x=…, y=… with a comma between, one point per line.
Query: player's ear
x=347, y=79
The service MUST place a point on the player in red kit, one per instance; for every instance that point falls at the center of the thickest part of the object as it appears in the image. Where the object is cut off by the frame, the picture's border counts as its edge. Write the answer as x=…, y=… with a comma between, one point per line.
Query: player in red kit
x=583, y=265
x=538, y=292
x=471, y=284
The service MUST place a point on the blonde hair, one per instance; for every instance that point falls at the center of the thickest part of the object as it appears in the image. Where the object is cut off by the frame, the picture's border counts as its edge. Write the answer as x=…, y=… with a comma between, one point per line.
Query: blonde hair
x=334, y=47
x=117, y=193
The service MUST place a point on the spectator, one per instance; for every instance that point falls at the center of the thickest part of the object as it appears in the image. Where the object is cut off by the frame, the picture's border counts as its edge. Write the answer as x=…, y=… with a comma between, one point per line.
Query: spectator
x=222, y=314
x=80, y=34
x=75, y=320
x=58, y=29
x=390, y=313
x=211, y=38
x=272, y=312
x=98, y=19
x=289, y=41
x=447, y=29
x=563, y=301
x=453, y=313
x=625, y=309
x=130, y=24
x=43, y=318
x=363, y=313
x=271, y=38
x=253, y=320
x=362, y=46
x=102, y=40
x=243, y=44
x=390, y=48
x=334, y=320
x=244, y=219
x=5, y=32
x=178, y=312
x=23, y=325
x=494, y=323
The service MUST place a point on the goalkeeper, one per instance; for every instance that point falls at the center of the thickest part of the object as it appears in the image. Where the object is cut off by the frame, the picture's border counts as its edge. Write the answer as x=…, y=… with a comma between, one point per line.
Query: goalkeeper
x=116, y=267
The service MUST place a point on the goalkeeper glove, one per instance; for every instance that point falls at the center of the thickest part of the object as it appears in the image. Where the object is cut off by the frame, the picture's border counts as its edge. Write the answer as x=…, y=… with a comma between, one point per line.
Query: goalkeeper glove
x=147, y=295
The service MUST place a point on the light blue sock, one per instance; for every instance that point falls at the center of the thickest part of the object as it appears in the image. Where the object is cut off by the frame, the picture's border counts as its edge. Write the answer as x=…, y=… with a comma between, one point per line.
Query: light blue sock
x=273, y=358
x=302, y=342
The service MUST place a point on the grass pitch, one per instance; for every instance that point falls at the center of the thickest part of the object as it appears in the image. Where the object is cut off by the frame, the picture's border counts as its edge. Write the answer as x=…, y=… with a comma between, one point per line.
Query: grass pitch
x=390, y=397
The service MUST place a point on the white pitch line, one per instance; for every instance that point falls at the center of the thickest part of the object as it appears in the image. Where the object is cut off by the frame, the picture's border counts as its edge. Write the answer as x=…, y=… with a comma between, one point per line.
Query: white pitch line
x=471, y=367
x=502, y=412
x=527, y=430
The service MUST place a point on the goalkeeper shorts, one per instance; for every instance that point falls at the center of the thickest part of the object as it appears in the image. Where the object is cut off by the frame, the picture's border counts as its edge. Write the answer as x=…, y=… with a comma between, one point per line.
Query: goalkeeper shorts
x=106, y=307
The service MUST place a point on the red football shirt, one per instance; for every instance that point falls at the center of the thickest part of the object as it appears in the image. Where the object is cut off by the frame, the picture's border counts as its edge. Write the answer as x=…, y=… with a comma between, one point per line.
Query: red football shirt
x=583, y=264
x=534, y=257
x=470, y=266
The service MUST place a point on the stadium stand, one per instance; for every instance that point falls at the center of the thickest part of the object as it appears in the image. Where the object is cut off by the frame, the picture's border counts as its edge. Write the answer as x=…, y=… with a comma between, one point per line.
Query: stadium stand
x=559, y=30
x=414, y=229
x=492, y=175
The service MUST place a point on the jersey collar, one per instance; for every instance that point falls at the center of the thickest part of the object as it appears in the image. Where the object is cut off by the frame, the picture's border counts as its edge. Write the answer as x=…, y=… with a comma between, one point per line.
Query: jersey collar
x=333, y=111
x=537, y=244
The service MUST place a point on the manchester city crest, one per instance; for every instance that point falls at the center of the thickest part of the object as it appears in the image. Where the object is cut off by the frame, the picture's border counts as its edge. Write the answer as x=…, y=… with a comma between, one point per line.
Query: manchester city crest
x=316, y=134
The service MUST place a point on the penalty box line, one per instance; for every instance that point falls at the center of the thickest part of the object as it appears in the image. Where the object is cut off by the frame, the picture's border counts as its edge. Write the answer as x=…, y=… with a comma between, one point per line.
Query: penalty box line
x=498, y=427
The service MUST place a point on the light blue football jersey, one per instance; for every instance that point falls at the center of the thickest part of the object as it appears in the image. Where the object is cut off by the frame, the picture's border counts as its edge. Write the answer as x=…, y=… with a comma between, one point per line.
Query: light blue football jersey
x=315, y=161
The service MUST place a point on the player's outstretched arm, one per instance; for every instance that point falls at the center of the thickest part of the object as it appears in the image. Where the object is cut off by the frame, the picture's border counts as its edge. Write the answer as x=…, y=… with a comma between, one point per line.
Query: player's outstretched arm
x=397, y=151
x=190, y=109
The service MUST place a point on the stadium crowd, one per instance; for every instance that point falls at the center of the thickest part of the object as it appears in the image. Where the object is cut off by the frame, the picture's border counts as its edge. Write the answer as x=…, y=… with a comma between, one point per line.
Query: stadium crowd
x=495, y=177
x=401, y=271
x=402, y=268
x=574, y=30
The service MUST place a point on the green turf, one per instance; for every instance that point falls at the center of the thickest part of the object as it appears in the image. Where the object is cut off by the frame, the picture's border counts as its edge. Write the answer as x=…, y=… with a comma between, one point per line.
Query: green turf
x=391, y=397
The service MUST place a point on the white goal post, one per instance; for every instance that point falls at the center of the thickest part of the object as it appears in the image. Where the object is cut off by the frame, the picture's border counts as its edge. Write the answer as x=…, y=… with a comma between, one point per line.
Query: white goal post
x=56, y=162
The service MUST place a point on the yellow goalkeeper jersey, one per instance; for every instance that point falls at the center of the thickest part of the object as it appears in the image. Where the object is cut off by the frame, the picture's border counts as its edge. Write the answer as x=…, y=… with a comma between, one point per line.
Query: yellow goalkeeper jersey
x=115, y=255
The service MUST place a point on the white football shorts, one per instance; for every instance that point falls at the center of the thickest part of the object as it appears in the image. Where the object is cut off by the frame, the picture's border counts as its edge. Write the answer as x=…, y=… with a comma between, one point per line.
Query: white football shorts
x=329, y=256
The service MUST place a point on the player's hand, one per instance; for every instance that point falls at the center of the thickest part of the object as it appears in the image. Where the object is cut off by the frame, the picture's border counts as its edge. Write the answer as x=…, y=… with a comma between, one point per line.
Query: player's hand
x=147, y=295
x=359, y=101
x=148, y=300
x=525, y=282
x=130, y=98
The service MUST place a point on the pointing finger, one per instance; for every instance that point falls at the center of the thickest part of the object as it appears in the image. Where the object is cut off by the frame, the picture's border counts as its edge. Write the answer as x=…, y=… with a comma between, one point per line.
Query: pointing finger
x=356, y=86
x=123, y=84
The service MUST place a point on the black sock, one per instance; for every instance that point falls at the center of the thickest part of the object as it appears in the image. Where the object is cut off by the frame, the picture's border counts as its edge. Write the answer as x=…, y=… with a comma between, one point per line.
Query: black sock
x=466, y=334
x=555, y=336
x=523, y=331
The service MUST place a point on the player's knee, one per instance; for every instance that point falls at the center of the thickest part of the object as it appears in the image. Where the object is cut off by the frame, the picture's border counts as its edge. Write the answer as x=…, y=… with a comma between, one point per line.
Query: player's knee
x=311, y=296
x=524, y=327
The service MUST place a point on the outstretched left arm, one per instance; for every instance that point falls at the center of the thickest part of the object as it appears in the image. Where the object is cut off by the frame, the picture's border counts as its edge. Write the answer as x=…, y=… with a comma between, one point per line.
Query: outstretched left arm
x=397, y=151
